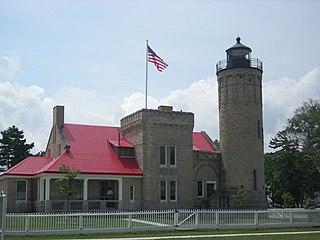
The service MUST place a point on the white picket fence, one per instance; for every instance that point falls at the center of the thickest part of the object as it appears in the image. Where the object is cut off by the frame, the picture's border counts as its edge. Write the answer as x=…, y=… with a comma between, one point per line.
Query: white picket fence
x=99, y=222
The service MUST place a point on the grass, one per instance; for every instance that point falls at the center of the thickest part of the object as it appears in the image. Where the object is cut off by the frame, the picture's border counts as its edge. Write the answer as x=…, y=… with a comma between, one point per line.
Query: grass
x=312, y=236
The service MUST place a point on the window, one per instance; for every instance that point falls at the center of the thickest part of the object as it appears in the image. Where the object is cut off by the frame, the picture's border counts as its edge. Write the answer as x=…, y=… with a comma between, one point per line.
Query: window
x=200, y=188
x=254, y=180
x=163, y=155
x=131, y=193
x=211, y=188
x=258, y=129
x=79, y=188
x=21, y=190
x=163, y=190
x=173, y=191
x=126, y=152
x=172, y=155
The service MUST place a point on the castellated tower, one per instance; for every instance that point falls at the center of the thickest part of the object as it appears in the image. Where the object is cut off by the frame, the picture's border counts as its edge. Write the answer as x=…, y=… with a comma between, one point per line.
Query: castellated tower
x=241, y=124
x=163, y=148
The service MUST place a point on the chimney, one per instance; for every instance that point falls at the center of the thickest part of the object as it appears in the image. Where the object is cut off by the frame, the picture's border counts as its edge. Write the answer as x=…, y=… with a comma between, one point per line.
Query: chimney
x=58, y=115
x=165, y=108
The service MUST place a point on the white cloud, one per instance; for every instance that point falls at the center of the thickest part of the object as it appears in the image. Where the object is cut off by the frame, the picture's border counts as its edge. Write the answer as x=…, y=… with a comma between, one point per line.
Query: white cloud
x=9, y=65
x=281, y=98
x=28, y=109
x=200, y=98
x=84, y=106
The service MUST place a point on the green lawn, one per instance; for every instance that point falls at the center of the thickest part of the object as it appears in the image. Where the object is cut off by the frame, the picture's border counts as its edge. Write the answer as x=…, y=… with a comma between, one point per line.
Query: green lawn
x=313, y=236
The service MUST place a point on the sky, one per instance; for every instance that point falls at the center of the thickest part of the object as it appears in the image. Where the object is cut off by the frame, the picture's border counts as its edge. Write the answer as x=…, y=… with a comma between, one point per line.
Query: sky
x=90, y=56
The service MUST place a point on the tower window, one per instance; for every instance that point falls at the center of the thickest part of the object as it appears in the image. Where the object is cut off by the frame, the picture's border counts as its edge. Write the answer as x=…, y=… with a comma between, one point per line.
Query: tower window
x=254, y=180
x=131, y=193
x=258, y=129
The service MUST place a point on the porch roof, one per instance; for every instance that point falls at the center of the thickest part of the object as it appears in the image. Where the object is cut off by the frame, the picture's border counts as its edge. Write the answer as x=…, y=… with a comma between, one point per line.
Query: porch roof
x=30, y=166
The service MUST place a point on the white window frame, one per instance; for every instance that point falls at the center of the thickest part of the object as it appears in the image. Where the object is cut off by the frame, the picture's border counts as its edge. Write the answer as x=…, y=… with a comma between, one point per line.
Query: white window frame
x=131, y=193
x=202, y=189
x=165, y=190
x=175, y=156
x=26, y=194
x=165, y=156
x=175, y=191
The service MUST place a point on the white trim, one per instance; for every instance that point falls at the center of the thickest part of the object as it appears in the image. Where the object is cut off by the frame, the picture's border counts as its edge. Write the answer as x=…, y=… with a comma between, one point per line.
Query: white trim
x=47, y=188
x=85, y=189
x=165, y=156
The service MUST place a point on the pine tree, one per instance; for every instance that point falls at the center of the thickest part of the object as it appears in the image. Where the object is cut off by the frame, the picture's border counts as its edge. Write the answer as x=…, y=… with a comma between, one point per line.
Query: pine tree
x=13, y=147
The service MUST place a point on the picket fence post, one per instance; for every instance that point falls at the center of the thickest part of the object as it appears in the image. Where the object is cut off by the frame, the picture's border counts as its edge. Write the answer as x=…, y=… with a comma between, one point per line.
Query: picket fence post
x=217, y=218
x=130, y=220
x=176, y=218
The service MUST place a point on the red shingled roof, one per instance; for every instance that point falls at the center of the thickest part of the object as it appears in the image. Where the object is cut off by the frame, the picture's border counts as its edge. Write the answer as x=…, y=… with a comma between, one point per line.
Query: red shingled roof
x=91, y=152
x=201, y=143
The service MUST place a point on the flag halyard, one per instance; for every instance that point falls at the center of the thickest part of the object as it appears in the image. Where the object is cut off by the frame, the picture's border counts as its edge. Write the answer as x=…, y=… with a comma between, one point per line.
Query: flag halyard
x=156, y=60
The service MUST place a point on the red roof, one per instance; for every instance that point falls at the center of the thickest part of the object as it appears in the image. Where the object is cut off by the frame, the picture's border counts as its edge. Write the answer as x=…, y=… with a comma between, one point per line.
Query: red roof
x=30, y=166
x=91, y=151
x=201, y=143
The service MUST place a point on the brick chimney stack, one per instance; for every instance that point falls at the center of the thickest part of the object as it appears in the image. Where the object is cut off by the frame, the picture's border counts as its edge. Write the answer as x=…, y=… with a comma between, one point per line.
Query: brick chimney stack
x=58, y=116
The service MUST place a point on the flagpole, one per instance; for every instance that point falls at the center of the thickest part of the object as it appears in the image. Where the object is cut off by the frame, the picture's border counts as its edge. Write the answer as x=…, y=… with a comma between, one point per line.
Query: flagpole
x=147, y=76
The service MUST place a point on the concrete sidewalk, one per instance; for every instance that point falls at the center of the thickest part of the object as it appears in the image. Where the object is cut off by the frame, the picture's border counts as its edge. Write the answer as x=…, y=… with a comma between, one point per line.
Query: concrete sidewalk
x=212, y=236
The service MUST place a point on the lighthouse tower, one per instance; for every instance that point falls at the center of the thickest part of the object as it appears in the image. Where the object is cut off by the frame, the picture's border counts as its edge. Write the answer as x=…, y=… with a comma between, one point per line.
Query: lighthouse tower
x=241, y=126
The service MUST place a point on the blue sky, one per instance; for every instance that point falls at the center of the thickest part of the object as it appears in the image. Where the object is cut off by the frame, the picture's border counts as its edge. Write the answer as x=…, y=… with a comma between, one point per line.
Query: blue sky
x=90, y=57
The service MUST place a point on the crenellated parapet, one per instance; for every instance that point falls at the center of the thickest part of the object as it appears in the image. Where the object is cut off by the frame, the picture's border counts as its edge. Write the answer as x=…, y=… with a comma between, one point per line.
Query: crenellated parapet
x=164, y=116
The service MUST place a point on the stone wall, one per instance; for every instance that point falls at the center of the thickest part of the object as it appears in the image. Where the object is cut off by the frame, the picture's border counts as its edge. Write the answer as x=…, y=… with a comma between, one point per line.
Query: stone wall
x=207, y=168
x=149, y=129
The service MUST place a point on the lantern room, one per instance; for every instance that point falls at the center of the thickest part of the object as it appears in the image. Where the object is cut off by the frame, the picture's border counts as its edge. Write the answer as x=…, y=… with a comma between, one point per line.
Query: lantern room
x=238, y=56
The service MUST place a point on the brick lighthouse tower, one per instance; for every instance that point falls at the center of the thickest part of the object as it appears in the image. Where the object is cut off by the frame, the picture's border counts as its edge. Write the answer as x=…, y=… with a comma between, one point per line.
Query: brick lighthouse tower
x=241, y=126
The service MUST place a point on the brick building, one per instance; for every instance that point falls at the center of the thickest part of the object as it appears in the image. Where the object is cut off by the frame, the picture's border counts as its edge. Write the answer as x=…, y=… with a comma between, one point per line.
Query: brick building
x=154, y=160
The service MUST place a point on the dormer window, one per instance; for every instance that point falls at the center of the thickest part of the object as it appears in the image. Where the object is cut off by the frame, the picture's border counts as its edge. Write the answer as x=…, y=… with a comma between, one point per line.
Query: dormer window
x=126, y=152
x=123, y=148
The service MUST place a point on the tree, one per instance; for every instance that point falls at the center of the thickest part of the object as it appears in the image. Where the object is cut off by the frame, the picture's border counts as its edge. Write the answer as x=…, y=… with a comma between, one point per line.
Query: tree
x=67, y=184
x=288, y=171
x=241, y=198
x=304, y=128
x=13, y=147
x=288, y=200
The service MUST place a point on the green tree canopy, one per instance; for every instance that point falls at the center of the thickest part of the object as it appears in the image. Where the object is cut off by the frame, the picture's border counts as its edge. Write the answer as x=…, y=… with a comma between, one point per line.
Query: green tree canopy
x=67, y=183
x=13, y=147
x=292, y=169
x=304, y=128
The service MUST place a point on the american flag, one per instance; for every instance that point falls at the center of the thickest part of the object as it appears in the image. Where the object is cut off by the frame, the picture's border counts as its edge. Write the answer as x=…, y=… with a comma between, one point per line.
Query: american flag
x=156, y=60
